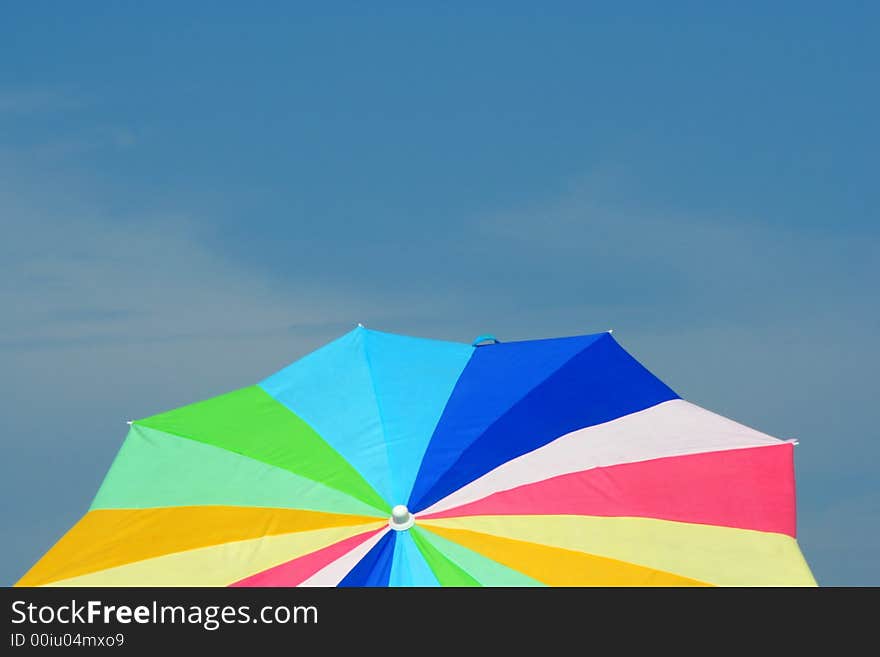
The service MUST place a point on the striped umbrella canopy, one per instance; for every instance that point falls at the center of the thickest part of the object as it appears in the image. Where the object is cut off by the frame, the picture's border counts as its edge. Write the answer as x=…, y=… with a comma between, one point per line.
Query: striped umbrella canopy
x=382, y=459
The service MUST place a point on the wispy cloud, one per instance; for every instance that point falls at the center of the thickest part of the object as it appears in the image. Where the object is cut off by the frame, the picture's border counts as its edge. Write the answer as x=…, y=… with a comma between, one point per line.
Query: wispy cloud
x=93, y=279
x=121, y=137
x=40, y=99
x=633, y=258
x=80, y=276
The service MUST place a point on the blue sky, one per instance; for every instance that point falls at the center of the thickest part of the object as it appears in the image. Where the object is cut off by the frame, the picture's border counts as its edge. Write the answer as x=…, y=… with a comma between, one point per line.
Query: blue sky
x=193, y=196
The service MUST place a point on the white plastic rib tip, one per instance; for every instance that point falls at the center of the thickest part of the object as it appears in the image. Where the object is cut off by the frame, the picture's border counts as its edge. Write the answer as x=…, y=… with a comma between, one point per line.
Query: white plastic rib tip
x=401, y=518
x=360, y=325
x=129, y=421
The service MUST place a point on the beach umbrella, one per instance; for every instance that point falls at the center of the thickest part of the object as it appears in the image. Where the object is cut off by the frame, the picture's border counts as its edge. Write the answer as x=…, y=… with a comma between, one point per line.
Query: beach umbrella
x=382, y=459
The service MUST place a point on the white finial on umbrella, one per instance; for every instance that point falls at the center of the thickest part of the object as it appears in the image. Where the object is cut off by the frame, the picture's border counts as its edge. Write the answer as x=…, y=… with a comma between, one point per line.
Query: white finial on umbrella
x=401, y=518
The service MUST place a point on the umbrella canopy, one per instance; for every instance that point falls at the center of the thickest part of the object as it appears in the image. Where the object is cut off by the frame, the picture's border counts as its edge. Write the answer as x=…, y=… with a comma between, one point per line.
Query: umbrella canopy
x=383, y=459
